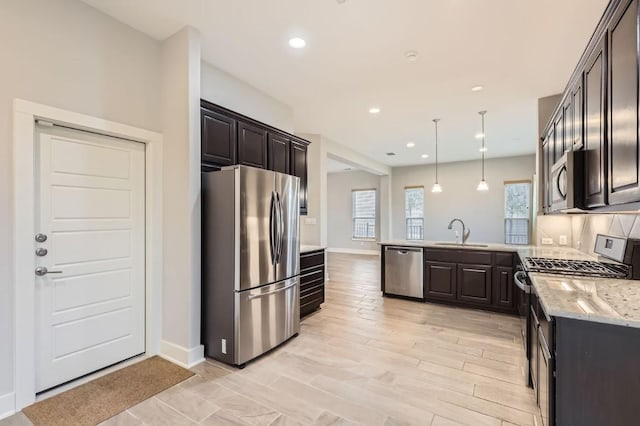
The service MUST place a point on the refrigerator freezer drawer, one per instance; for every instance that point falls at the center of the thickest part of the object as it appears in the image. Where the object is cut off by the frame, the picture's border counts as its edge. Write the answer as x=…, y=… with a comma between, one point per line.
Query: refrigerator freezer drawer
x=267, y=316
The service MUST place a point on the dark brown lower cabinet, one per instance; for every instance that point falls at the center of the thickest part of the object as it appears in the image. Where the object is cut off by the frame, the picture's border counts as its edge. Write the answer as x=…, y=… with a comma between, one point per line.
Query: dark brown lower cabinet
x=312, y=272
x=503, y=287
x=440, y=280
x=474, y=283
x=471, y=278
x=597, y=373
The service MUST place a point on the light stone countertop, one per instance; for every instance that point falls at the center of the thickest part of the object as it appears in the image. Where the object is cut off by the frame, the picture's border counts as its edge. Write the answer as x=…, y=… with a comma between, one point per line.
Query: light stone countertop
x=468, y=246
x=605, y=300
x=565, y=253
x=307, y=248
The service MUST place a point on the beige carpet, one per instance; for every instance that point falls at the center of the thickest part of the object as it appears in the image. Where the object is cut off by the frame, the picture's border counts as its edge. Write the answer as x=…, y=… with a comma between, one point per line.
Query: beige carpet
x=104, y=397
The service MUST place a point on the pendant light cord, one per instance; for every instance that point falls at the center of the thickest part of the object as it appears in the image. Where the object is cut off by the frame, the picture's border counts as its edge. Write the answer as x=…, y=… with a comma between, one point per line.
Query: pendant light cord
x=482, y=113
x=435, y=120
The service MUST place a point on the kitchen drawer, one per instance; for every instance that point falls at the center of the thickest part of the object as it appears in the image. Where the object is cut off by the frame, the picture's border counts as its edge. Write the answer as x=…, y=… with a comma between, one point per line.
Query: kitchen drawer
x=475, y=257
x=459, y=256
x=312, y=299
x=547, y=328
x=314, y=288
x=309, y=260
x=505, y=259
x=440, y=255
x=312, y=276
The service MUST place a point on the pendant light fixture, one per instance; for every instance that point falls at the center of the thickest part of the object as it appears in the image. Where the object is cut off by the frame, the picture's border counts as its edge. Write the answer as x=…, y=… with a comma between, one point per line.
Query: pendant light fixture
x=436, y=186
x=482, y=186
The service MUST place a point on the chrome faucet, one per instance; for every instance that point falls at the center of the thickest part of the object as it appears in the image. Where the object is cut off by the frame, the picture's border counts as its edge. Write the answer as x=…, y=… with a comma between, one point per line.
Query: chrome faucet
x=465, y=231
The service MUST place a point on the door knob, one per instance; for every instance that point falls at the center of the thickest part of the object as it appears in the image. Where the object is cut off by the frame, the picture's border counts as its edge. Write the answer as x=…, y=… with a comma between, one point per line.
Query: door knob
x=41, y=238
x=42, y=271
x=41, y=251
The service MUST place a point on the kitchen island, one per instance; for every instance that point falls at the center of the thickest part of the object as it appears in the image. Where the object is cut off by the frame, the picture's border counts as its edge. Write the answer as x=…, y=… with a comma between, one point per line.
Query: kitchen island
x=478, y=275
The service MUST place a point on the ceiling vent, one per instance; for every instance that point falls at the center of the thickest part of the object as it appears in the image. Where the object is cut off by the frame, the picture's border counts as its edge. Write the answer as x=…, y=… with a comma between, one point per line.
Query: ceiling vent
x=391, y=154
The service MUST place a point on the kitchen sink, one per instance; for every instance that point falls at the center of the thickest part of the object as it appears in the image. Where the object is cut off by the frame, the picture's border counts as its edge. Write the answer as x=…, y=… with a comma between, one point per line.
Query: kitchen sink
x=461, y=245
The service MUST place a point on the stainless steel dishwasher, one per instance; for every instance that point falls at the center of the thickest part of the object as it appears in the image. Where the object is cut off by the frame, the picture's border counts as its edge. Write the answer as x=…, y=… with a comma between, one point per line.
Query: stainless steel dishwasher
x=403, y=271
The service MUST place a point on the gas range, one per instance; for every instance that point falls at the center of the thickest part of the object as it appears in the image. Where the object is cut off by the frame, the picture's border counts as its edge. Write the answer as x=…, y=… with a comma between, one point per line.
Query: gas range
x=587, y=268
x=621, y=259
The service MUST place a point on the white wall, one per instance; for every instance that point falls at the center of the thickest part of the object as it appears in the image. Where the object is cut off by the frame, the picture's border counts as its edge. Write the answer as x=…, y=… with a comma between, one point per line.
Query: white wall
x=339, y=205
x=181, y=196
x=482, y=212
x=320, y=149
x=227, y=91
x=581, y=229
x=315, y=233
x=65, y=54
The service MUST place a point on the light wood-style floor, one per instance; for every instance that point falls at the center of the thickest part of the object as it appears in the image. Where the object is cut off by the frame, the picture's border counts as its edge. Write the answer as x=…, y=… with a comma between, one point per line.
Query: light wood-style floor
x=363, y=359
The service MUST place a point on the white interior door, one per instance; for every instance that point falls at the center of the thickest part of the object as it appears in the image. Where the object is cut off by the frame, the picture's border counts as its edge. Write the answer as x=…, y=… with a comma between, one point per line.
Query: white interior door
x=90, y=202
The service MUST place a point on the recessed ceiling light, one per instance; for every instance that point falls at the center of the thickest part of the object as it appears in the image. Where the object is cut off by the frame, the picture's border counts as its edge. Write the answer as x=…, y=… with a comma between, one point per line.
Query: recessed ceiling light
x=374, y=110
x=425, y=156
x=477, y=88
x=411, y=56
x=297, y=43
x=483, y=149
x=410, y=144
x=479, y=135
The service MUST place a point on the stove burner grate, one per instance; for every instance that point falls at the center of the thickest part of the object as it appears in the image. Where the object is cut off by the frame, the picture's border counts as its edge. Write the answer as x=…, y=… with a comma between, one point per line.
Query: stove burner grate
x=576, y=267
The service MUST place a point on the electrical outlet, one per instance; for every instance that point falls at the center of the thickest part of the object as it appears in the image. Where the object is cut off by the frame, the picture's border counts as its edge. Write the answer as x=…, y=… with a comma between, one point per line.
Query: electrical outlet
x=547, y=241
x=562, y=240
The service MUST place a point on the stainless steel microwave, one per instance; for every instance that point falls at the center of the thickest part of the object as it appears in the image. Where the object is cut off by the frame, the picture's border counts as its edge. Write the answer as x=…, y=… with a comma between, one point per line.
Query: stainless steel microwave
x=567, y=182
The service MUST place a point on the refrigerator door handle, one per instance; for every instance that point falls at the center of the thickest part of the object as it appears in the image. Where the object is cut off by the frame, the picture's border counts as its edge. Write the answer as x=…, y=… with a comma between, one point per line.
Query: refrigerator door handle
x=252, y=296
x=272, y=228
x=280, y=227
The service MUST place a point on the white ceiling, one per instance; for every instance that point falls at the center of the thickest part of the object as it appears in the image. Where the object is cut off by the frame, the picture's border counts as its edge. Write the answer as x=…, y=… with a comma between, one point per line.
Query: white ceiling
x=519, y=50
x=335, y=166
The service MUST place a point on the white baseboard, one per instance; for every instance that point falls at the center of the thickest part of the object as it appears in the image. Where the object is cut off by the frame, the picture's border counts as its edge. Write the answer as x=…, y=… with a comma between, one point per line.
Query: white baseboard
x=184, y=357
x=353, y=251
x=7, y=405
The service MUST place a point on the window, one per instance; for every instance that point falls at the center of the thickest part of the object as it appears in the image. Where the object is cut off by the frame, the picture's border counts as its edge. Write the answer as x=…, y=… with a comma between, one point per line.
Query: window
x=414, y=212
x=364, y=213
x=517, y=212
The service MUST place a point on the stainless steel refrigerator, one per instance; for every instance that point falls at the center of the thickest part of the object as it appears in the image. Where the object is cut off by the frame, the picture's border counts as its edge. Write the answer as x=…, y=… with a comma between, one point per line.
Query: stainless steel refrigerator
x=250, y=262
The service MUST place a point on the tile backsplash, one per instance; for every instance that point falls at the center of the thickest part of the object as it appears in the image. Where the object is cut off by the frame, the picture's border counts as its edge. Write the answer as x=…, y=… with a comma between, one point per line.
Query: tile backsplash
x=581, y=229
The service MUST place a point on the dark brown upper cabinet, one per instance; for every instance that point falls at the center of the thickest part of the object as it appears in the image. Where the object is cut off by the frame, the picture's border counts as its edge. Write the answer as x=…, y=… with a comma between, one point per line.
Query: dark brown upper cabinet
x=252, y=145
x=595, y=90
x=218, y=143
x=278, y=152
x=624, y=145
x=577, y=113
x=567, y=124
x=298, y=167
x=229, y=138
x=558, y=136
x=602, y=101
x=547, y=160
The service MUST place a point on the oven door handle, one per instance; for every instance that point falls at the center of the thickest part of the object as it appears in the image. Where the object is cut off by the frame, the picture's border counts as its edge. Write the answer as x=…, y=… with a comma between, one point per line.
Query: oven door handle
x=520, y=280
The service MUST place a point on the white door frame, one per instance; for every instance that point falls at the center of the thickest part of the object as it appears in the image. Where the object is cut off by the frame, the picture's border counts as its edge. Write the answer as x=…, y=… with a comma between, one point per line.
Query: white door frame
x=25, y=114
